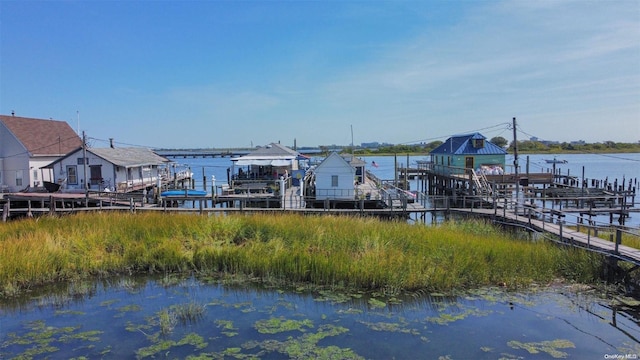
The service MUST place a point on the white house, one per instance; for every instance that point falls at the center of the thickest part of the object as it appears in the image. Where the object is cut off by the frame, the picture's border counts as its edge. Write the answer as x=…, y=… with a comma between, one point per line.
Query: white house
x=335, y=179
x=26, y=145
x=115, y=169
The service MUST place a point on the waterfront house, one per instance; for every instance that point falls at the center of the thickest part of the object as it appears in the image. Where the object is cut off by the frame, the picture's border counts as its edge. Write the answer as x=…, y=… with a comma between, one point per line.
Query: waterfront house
x=26, y=145
x=471, y=151
x=335, y=179
x=110, y=169
x=266, y=165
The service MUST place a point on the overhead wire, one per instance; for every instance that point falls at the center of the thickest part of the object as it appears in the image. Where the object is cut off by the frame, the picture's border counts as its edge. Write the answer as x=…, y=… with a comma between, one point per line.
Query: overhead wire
x=519, y=129
x=445, y=136
x=40, y=148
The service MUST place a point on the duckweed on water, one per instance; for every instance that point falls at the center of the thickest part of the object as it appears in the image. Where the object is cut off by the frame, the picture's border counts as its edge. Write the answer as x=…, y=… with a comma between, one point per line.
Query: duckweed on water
x=227, y=327
x=108, y=303
x=377, y=304
x=400, y=327
x=278, y=325
x=549, y=347
x=130, y=308
x=159, y=346
x=43, y=339
x=306, y=346
x=445, y=318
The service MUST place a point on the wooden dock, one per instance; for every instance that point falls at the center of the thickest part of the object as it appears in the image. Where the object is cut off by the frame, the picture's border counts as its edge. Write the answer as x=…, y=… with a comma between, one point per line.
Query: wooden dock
x=558, y=231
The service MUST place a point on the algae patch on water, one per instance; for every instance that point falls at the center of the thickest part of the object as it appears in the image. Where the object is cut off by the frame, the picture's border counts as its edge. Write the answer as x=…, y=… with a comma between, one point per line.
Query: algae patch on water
x=42, y=339
x=549, y=347
x=398, y=327
x=227, y=327
x=159, y=346
x=278, y=325
x=306, y=346
x=446, y=318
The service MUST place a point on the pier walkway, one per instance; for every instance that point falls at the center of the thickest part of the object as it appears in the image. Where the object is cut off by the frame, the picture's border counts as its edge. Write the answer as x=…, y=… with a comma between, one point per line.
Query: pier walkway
x=559, y=231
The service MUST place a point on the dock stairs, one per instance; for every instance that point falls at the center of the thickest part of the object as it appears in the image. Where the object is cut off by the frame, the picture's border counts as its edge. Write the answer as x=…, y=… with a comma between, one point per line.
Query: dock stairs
x=482, y=184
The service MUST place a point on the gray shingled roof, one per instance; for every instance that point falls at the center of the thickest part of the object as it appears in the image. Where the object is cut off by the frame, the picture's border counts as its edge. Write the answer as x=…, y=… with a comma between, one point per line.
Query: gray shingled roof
x=129, y=157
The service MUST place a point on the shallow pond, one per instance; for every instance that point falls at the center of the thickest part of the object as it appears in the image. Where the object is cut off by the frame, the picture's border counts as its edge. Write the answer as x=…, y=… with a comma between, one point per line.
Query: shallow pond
x=200, y=318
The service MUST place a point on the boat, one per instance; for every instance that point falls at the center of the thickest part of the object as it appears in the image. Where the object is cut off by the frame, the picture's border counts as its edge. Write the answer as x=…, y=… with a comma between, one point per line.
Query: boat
x=51, y=186
x=555, y=161
x=183, y=193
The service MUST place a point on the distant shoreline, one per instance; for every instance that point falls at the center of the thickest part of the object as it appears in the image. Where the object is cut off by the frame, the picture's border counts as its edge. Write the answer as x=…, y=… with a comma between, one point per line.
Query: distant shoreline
x=549, y=152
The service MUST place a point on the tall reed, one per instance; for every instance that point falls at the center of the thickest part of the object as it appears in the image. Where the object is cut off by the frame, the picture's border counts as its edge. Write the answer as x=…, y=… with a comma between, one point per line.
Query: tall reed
x=363, y=253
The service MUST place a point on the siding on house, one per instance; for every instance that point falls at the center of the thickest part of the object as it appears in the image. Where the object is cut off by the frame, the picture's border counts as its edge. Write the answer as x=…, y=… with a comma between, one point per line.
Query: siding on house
x=335, y=179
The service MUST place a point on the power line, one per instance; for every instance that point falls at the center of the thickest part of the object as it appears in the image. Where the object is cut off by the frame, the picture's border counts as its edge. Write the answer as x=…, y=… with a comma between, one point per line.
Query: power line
x=122, y=143
x=446, y=136
x=60, y=140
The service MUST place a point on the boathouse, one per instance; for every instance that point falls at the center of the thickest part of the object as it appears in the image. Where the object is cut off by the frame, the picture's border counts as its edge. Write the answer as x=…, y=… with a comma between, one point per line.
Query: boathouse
x=471, y=151
x=110, y=169
x=268, y=164
x=335, y=179
x=26, y=145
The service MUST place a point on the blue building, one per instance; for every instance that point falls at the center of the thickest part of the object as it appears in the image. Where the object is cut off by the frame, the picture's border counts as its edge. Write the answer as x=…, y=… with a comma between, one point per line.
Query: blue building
x=471, y=151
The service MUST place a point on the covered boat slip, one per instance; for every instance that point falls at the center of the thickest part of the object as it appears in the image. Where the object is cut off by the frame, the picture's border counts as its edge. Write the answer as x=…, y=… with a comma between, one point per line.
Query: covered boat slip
x=261, y=170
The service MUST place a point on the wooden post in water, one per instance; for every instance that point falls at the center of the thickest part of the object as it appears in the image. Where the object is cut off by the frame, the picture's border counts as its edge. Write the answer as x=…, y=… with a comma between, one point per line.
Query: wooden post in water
x=560, y=223
x=5, y=210
x=582, y=190
x=52, y=205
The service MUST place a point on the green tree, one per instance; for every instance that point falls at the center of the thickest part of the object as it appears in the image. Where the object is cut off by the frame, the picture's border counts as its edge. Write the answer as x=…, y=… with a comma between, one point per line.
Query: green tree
x=500, y=141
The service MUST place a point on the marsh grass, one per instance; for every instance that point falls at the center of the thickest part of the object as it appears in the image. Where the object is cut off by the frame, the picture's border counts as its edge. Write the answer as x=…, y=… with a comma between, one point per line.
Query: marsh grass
x=361, y=253
x=189, y=312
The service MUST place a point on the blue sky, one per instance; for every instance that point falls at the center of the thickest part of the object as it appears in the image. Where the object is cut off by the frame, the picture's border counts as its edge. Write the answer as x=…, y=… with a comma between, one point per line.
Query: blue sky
x=242, y=73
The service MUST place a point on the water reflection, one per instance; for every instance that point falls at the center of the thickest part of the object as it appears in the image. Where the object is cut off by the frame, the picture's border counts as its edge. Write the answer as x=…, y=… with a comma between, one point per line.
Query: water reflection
x=188, y=317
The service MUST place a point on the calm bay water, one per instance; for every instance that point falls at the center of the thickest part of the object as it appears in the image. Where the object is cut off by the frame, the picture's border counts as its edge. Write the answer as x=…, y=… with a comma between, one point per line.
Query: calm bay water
x=124, y=320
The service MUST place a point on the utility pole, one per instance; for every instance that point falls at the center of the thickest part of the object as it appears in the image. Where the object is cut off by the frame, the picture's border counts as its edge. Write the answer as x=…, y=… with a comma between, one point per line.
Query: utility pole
x=515, y=163
x=84, y=168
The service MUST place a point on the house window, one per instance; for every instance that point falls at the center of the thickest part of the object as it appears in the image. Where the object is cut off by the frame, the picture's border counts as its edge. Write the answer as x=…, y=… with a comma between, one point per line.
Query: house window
x=72, y=175
x=19, y=178
x=478, y=143
x=35, y=175
x=334, y=180
x=80, y=161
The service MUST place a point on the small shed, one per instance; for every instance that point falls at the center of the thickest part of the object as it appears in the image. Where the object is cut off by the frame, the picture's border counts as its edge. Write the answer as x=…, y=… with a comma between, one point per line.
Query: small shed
x=114, y=169
x=471, y=151
x=335, y=179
